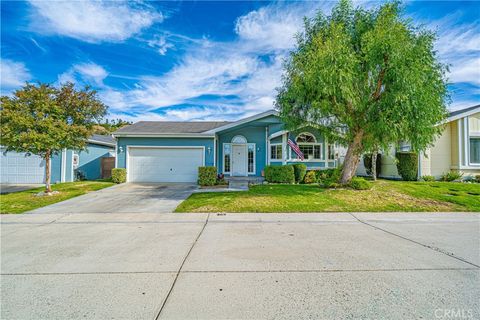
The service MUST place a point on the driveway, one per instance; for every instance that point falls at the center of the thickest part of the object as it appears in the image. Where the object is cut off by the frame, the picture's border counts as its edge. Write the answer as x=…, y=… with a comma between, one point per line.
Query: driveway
x=239, y=266
x=126, y=198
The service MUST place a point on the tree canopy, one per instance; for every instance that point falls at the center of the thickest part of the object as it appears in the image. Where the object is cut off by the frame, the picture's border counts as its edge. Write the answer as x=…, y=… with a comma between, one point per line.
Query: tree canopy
x=44, y=120
x=366, y=79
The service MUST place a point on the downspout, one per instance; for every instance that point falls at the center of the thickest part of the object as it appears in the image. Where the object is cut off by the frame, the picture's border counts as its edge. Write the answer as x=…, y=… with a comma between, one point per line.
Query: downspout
x=459, y=131
x=215, y=151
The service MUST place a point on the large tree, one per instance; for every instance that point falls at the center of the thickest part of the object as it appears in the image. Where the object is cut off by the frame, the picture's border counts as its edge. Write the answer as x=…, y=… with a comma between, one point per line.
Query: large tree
x=44, y=120
x=367, y=79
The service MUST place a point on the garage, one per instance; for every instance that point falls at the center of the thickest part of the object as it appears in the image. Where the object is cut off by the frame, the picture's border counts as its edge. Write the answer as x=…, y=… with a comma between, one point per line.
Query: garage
x=164, y=164
x=17, y=168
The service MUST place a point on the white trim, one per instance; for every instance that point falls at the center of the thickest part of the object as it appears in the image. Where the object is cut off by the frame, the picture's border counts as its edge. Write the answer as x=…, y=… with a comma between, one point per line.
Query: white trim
x=163, y=135
x=127, y=153
x=223, y=160
x=102, y=143
x=321, y=159
x=241, y=137
x=243, y=121
x=116, y=154
x=267, y=146
x=277, y=134
x=459, y=132
x=307, y=134
x=72, y=176
x=284, y=148
x=254, y=172
x=464, y=114
x=466, y=142
x=215, y=151
x=64, y=165
x=270, y=152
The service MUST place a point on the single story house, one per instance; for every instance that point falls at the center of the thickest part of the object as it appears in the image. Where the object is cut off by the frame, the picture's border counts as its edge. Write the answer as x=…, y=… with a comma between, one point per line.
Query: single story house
x=457, y=148
x=20, y=168
x=163, y=151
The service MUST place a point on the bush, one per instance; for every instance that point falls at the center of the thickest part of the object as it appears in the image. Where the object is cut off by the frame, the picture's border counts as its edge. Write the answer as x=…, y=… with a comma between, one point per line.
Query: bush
x=328, y=178
x=451, y=176
x=221, y=180
x=207, y=176
x=300, y=170
x=477, y=178
x=367, y=162
x=310, y=177
x=428, y=178
x=79, y=175
x=359, y=184
x=280, y=174
x=119, y=175
x=407, y=165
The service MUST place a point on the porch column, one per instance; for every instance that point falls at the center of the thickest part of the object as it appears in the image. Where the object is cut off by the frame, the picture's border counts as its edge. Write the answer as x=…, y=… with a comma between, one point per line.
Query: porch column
x=284, y=148
x=267, y=147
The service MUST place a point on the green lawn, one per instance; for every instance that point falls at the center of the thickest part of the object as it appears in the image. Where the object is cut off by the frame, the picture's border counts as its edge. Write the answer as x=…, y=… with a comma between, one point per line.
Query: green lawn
x=384, y=196
x=22, y=201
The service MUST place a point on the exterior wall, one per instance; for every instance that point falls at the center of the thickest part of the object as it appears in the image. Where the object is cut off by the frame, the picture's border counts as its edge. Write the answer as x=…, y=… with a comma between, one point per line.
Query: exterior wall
x=455, y=160
x=441, y=153
x=164, y=142
x=90, y=160
x=56, y=168
x=388, y=168
x=253, y=134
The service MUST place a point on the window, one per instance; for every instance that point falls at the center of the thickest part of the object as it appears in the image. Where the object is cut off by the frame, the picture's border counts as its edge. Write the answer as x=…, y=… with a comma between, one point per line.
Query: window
x=226, y=157
x=239, y=139
x=305, y=138
x=331, y=152
x=276, y=151
x=475, y=150
x=310, y=150
x=251, y=158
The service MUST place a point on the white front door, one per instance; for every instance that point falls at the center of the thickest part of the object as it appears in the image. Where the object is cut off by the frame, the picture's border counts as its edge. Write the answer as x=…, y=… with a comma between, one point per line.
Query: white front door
x=239, y=160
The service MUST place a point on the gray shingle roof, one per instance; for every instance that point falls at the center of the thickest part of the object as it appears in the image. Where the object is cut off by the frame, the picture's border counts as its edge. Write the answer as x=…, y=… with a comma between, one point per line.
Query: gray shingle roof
x=102, y=138
x=159, y=127
x=457, y=112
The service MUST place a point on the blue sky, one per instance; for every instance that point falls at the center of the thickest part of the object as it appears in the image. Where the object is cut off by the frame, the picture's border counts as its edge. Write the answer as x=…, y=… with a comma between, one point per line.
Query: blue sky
x=195, y=60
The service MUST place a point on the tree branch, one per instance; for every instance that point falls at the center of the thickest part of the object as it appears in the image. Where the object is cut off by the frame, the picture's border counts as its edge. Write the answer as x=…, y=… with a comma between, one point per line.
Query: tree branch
x=381, y=76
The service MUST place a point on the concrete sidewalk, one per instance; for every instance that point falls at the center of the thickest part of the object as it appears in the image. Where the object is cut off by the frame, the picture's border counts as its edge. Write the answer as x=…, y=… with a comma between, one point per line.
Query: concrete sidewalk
x=240, y=266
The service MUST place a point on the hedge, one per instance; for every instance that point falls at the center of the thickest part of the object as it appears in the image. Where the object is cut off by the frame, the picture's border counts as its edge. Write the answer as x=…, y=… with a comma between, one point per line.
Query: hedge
x=207, y=176
x=300, y=170
x=280, y=174
x=367, y=162
x=310, y=177
x=119, y=175
x=407, y=165
x=358, y=183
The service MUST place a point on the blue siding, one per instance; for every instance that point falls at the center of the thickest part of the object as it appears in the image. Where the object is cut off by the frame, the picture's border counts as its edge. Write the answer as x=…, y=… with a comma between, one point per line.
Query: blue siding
x=90, y=160
x=164, y=142
x=56, y=168
x=253, y=134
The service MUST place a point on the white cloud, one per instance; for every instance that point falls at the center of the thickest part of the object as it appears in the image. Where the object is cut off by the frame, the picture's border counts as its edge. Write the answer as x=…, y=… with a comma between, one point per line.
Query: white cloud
x=465, y=70
x=13, y=74
x=89, y=73
x=93, y=21
x=160, y=43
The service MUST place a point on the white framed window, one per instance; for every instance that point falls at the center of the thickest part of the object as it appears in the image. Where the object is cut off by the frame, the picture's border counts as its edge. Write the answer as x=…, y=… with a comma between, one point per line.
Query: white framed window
x=251, y=158
x=239, y=139
x=227, y=156
x=474, y=149
x=307, y=143
x=276, y=151
x=330, y=151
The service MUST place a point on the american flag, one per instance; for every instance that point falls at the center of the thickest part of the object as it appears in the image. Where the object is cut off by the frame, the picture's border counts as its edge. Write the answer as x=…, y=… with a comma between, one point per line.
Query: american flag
x=295, y=149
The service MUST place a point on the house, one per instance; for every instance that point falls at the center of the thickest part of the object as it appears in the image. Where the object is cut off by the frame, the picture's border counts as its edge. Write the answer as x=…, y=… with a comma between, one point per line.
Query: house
x=162, y=151
x=20, y=168
x=457, y=148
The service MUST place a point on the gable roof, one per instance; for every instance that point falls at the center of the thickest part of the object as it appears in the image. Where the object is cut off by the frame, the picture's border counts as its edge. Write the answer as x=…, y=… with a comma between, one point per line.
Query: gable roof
x=244, y=120
x=457, y=114
x=102, y=140
x=169, y=127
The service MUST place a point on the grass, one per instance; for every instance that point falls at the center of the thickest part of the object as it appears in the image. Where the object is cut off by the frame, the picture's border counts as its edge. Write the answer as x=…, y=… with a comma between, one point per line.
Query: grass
x=22, y=201
x=384, y=196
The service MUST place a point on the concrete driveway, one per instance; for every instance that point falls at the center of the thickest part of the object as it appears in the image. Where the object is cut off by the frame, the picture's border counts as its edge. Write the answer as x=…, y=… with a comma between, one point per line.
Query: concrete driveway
x=126, y=198
x=239, y=266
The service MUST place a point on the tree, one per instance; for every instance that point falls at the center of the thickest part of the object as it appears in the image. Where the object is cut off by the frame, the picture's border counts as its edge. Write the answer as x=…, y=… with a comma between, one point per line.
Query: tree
x=366, y=79
x=44, y=120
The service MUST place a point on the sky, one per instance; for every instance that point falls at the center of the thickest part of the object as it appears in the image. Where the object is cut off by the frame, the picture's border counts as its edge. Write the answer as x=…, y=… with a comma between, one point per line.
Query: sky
x=196, y=60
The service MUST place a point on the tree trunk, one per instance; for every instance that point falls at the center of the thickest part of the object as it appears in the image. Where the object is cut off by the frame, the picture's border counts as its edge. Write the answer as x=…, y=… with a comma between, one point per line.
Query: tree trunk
x=48, y=187
x=352, y=158
x=374, y=165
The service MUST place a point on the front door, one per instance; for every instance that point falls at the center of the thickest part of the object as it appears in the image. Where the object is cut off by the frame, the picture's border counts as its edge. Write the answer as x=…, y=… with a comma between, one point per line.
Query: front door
x=239, y=160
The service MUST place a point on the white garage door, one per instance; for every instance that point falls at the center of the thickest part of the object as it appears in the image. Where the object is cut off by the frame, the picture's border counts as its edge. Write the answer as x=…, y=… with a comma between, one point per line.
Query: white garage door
x=16, y=168
x=164, y=164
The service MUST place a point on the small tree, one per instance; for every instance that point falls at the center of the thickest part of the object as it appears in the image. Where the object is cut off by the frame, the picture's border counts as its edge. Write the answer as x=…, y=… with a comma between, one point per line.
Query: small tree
x=366, y=79
x=44, y=120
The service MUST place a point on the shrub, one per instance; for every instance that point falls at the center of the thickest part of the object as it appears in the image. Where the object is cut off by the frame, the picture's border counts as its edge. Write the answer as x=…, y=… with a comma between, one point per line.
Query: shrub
x=221, y=180
x=428, y=178
x=477, y=178
x=451, y=176
x=300, y=170
x=407, y=165
x=310, y=177
x=79, y=175
x=329, y=177
x=207, y=176
x=119, y=175
x=367, y=161
x=280, y=174
x=359, y=184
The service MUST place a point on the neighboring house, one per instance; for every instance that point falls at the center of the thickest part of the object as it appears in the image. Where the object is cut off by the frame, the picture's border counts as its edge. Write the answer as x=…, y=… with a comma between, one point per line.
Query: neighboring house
x=19, y=168
x=458, y=148
x=161, y=151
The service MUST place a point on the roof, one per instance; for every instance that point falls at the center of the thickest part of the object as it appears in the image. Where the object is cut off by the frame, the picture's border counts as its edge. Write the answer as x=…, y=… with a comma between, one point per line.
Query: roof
x=463, y=112
x=102, y=139
x=170, y=127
